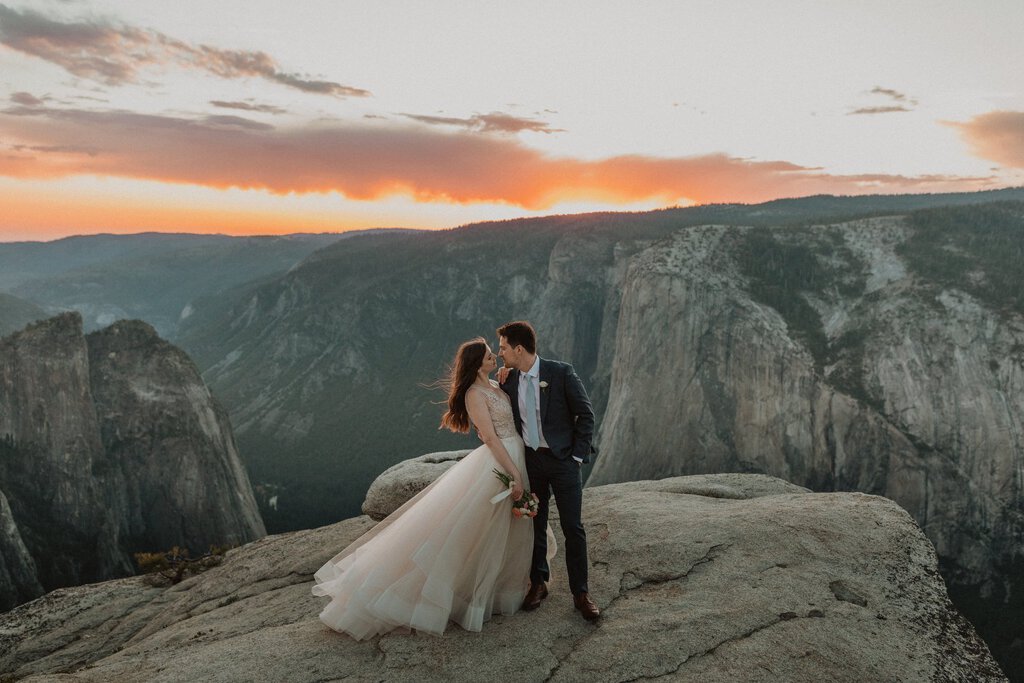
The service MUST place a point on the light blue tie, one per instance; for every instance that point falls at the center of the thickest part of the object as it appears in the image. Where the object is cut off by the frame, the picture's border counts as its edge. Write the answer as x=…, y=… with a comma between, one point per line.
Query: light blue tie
x=532, y=432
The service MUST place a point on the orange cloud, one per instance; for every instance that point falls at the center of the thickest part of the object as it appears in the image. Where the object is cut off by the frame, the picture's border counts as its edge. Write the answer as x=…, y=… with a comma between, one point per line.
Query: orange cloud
x=367, y=162
x=997, y=136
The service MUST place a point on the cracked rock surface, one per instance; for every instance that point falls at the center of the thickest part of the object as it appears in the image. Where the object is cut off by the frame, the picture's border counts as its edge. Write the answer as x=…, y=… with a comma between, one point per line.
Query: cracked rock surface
x=704, y=578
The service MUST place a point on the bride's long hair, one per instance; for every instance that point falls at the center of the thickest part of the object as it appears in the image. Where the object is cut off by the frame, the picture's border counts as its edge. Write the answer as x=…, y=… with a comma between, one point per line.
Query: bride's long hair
x=461, y=376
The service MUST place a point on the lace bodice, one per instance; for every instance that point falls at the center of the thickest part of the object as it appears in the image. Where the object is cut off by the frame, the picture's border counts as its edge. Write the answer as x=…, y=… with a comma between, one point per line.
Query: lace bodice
x=500, y=409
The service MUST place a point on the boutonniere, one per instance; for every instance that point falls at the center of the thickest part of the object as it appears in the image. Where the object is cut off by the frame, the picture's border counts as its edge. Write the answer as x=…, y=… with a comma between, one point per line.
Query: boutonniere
x=543, y=385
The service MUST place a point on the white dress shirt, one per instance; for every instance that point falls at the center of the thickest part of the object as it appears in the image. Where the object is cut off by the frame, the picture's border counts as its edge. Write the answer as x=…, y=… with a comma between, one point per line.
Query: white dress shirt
x=534, y=373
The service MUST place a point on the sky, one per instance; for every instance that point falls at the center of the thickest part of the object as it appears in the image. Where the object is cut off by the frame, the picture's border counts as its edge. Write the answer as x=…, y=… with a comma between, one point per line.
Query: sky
x=262, y=117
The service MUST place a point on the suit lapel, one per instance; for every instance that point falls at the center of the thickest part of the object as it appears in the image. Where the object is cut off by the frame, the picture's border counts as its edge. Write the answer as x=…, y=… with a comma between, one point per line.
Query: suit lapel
x=545, y=376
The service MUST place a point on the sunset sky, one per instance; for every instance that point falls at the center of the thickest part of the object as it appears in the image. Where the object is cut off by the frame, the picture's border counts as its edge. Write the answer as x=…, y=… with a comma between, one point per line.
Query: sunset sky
x=257, y=117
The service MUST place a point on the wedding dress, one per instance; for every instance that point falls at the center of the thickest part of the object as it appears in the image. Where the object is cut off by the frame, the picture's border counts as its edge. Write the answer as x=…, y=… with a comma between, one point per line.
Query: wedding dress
x=447, y=554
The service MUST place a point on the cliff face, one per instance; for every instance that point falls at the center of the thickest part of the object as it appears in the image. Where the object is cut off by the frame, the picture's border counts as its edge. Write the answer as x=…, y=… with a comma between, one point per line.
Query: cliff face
x=908, y=389
x=53, y=460
x=111, y=444
x=170, y=443
x=726, y=578
x=18, y=580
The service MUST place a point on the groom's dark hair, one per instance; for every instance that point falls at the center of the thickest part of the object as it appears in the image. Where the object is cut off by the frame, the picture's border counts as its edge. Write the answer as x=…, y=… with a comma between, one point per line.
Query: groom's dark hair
x=519, y=333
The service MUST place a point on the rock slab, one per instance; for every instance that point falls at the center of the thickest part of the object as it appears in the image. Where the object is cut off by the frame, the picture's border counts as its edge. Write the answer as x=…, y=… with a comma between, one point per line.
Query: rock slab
x=710, y=578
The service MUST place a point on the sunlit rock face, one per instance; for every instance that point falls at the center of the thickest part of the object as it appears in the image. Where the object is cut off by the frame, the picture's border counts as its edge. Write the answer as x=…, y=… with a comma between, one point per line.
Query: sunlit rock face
x=865, y=374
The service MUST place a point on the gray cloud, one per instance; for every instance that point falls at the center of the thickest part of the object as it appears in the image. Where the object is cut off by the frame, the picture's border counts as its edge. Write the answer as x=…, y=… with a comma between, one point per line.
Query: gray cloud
x=878, y=110
x=57, y=149
x=438, y=120
x=26, y=99
x=889, y=92
x=247, y=106
x=89, y=98
x=114, y=54
x=237, y=122
x=900, y=102
x=320, y=87
x=495, y=122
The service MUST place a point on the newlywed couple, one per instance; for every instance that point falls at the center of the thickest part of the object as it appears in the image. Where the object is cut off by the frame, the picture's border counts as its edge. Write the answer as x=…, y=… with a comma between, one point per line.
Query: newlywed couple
x=449, y=553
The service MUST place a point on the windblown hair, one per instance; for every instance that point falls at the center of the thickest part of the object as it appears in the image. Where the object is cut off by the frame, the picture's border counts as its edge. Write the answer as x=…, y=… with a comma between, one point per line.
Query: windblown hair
x=461, y=376
x=519, y=333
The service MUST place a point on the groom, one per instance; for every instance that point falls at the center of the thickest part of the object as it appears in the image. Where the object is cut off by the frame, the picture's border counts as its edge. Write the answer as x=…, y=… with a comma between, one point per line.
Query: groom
x=554, y=416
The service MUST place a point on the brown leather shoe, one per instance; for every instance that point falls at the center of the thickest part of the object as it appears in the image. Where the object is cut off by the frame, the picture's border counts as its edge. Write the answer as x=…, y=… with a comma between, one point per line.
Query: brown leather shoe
x=537, y=592
x=586, y=606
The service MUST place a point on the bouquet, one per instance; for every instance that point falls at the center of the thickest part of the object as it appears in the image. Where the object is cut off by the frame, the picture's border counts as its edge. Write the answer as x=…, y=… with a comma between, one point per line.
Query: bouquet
x=528, y=503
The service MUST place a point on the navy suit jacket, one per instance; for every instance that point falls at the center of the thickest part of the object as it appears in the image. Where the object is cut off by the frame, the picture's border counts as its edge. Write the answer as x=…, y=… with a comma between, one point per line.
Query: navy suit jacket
x=567, y=417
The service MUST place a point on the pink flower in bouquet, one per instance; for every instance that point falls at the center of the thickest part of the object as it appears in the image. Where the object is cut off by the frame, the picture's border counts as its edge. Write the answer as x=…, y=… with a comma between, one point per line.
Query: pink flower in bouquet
x=527, y=504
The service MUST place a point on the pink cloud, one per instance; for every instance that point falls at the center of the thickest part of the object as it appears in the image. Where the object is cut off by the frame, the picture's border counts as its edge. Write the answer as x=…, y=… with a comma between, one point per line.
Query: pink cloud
x=370, y=161
x=997, y=136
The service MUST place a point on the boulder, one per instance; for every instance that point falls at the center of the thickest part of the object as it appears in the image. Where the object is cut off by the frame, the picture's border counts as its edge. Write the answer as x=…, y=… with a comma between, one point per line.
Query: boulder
x=401, y=482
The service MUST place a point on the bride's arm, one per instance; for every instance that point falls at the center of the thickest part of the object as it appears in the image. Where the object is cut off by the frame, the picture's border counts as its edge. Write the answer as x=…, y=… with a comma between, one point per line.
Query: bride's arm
x=477, y=407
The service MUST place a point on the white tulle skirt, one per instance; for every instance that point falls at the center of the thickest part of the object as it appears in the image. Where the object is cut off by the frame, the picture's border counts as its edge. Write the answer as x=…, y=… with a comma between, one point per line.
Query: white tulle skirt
x=446, y=554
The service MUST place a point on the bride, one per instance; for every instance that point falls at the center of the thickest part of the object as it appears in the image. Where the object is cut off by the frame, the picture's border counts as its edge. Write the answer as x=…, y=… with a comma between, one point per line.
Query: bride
x=448, y=553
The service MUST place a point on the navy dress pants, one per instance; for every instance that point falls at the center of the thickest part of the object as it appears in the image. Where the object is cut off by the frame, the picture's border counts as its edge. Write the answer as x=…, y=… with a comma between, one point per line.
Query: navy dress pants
x=563, y=478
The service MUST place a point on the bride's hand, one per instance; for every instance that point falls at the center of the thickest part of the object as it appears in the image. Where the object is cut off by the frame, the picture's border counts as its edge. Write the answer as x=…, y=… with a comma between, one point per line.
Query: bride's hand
x=517, y=490
x=503, y=373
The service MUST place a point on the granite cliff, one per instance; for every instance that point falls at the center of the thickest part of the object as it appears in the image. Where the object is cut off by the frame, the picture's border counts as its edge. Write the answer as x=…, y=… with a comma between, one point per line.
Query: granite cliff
x=109, y=444
x=910, y=387
x=726, y=577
